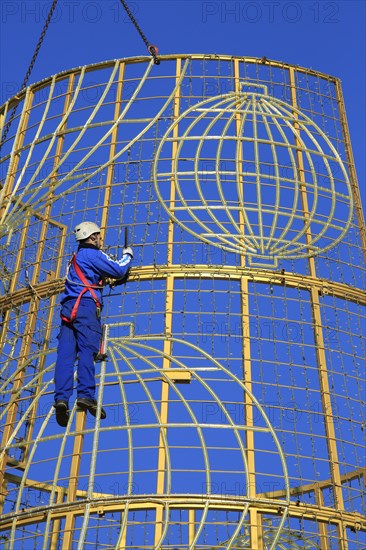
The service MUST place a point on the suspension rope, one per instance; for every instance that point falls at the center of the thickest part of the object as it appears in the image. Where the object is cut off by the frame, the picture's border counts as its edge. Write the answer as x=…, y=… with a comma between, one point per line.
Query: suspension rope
x=29, y=70
x=151, y=48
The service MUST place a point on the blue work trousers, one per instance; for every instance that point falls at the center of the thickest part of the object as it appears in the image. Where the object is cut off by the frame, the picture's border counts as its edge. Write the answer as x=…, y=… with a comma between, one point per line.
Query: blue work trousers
x=81, y=340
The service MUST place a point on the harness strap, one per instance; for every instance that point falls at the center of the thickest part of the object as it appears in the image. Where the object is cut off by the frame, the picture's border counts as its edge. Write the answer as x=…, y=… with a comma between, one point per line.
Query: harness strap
x=87, y=287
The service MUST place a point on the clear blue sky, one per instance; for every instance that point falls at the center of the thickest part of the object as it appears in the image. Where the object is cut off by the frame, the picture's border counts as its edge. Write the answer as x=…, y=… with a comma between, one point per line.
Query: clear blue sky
x=323, y=35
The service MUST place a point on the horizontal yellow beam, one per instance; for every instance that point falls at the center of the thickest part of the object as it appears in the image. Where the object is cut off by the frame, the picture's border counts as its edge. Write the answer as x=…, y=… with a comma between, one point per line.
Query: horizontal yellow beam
x=146, y=59
x=183, y=502
x=303, y=282
x=294, y=491
x=319, y=485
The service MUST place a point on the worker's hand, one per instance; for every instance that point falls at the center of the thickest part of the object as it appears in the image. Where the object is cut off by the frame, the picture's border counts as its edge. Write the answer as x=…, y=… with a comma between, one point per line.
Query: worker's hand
x=117, y=282
x=128, y=250
x=112, y=282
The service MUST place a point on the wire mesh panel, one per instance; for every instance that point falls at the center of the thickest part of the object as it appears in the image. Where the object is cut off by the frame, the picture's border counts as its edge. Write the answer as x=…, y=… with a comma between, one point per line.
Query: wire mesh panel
x=234, y=384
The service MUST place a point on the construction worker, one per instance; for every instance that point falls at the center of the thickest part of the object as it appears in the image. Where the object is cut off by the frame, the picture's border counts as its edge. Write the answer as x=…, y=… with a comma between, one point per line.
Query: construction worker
x=81, y=305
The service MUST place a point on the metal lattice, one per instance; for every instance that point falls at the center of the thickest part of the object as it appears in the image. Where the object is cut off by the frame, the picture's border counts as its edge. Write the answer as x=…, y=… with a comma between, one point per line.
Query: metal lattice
x=234, y=385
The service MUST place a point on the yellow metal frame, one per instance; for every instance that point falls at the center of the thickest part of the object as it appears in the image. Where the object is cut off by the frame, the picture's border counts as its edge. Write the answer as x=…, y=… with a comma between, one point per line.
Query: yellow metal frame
x=18, y=205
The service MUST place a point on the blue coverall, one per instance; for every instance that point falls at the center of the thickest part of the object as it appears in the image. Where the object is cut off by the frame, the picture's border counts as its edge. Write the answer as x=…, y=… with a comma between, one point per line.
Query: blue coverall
x=81, y=338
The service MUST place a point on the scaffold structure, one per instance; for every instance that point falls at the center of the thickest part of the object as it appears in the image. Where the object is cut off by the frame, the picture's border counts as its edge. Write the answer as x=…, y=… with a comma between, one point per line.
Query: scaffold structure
x=234, y=383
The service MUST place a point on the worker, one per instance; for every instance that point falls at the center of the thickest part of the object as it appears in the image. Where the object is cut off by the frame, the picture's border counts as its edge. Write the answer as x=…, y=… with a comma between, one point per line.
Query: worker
x=81, y=330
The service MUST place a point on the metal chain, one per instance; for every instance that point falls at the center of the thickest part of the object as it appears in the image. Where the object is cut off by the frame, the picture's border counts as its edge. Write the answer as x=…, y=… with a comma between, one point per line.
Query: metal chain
x=38, y=47
x=152, y=49
x=29, y=70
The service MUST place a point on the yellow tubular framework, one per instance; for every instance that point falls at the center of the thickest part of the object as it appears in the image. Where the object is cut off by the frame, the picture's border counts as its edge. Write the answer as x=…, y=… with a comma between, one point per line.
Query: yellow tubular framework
x=234, y=379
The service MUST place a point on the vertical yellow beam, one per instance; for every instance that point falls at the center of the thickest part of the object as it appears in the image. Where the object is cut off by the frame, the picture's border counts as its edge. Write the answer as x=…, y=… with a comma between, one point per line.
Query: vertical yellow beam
x=7, y=197
x=323, y=533
x=168, y=321
x=191, y=525
x=18, y=381
x=56, y=525
x=112, y=150
x=300, y=167
x=18, y=144
x=2, y=122
x=13, y=409
x=342, y=535
x=318, y=330
x=260, y=531
x=6, y=200
x=326, y=400
x=14, y=280
x=245, y=324
x=239, y=162
x=248, y=409
x=74, y=477
x=351, y=167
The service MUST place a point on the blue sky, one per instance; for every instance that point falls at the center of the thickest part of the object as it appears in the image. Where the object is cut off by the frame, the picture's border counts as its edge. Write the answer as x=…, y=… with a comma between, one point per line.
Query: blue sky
x=322, y=35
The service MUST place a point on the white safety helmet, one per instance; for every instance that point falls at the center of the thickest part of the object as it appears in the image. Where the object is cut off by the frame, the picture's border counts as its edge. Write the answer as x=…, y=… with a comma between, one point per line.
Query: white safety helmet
x=85, y=229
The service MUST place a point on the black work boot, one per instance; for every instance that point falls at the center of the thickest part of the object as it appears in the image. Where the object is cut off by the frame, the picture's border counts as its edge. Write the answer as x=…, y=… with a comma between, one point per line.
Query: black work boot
x=62, y=412
x=90, y=405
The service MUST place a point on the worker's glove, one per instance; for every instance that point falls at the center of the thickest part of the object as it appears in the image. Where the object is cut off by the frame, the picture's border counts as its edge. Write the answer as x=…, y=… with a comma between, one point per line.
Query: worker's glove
x=128, y=250
x=117, y=282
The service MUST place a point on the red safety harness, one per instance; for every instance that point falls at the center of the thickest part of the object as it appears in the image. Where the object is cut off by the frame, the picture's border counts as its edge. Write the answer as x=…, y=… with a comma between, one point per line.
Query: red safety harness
x=87, y=287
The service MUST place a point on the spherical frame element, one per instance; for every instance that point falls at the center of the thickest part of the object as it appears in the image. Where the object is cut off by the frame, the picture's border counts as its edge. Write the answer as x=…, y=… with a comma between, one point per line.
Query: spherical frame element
x=286, y=193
